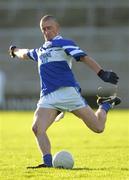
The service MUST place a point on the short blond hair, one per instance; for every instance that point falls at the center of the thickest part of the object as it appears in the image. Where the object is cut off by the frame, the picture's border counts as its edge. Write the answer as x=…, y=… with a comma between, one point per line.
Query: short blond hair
x=49, y=17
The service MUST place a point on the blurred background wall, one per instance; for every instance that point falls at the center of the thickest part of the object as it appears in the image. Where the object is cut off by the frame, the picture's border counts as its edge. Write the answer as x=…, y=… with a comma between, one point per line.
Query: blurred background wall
x=100, y=27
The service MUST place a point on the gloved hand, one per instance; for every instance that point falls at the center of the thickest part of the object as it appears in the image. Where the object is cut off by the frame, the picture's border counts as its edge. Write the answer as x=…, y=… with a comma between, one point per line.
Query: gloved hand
x=108, y=76
x=11, y=51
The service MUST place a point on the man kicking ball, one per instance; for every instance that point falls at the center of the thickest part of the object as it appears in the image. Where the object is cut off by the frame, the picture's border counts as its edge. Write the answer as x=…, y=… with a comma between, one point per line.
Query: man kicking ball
x=59, y=88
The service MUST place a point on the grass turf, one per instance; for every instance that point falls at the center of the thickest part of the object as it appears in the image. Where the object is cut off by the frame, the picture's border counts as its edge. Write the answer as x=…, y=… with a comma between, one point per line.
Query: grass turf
x=97, y=156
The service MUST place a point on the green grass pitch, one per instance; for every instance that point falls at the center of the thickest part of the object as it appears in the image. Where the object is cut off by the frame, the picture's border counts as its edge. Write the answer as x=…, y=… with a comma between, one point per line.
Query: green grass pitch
x=97, y=156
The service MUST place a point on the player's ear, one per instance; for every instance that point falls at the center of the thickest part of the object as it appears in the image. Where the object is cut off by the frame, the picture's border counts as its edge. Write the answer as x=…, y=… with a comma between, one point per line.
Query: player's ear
x=41, y=24
x=57, y=25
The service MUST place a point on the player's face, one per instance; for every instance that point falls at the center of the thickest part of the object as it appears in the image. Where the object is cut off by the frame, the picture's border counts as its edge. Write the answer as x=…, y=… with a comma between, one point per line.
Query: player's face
x=50, y=29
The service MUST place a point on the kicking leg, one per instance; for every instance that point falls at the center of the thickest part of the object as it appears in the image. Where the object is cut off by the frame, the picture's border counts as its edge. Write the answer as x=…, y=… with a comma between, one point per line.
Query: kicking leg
x=96, y=121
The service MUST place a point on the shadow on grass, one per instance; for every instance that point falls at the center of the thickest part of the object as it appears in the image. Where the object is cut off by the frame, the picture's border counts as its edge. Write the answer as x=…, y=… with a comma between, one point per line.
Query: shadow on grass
x=90, y=169
x=97, y=169
x=82, y=169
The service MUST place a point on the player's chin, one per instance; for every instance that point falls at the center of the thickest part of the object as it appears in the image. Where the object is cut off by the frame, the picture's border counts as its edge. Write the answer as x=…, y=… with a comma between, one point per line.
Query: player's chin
x=47, y=37
x=50, y=37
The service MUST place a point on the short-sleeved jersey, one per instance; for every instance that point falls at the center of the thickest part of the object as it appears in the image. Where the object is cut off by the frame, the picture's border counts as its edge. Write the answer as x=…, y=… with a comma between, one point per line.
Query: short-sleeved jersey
x=54, y=63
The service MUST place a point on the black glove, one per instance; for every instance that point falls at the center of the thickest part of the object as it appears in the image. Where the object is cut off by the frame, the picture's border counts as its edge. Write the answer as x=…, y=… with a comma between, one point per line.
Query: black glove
x=11, y=51
x=108, y=76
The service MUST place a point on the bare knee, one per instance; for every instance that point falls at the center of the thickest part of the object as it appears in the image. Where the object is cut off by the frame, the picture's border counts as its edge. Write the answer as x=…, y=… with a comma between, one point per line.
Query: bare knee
x=35, y=126
x=99, y=130
x=34, y=129
x=38, y=131
x=43, y=118
x=95, y=126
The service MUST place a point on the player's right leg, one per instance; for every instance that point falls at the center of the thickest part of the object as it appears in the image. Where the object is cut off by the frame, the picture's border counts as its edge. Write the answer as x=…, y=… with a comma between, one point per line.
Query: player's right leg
x=96, y=121
x=43, y=118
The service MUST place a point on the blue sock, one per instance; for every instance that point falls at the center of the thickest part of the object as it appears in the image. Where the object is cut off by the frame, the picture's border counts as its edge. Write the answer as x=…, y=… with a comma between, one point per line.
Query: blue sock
x=48, y=160
x=106, y=106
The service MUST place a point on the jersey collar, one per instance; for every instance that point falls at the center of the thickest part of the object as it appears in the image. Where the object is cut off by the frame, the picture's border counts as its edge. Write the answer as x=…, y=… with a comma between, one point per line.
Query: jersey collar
x=48, y=44
x=57, y=37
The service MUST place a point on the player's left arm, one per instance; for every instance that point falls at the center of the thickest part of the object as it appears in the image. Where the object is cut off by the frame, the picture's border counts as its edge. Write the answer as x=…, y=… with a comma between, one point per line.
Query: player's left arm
x=91, y=63
x=106, y=76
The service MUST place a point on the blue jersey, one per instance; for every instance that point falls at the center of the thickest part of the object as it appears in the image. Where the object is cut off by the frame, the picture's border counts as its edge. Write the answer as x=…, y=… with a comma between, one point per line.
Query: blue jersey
x=54, y=63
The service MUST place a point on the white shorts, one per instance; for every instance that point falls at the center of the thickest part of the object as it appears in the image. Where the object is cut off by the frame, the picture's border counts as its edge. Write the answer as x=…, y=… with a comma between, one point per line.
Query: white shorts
x=63, y=99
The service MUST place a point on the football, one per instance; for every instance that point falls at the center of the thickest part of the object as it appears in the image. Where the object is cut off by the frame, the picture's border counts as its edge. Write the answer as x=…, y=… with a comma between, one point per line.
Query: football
x=63, y=159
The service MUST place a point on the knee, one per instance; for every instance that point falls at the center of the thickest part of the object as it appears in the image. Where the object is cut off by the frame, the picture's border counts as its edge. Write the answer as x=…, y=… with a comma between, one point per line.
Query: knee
x=99, y=130
x=35, y=126
x=34, y=129
x=37, y=130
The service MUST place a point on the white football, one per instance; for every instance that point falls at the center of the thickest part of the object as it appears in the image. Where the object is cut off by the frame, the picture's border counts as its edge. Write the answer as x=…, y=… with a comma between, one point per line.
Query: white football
x=63, y=159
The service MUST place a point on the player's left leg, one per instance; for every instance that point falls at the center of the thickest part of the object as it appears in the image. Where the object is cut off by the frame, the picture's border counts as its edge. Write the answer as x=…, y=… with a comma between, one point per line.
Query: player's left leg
x=43, y=118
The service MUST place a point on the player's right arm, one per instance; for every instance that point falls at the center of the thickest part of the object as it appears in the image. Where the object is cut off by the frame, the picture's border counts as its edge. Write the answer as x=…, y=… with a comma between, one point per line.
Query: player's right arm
x=20, y=53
